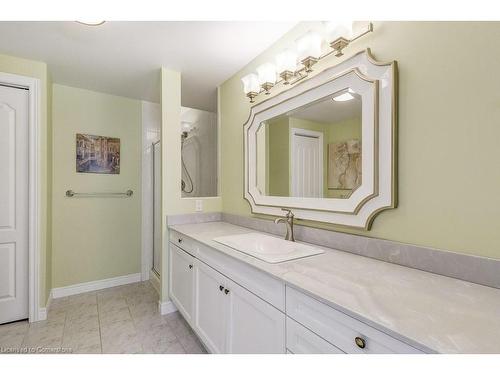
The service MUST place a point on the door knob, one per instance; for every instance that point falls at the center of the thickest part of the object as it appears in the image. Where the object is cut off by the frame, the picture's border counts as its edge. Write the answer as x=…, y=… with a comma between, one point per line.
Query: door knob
x=221, y=288
x=190, y=266
x=226, y=291
x=360, y=342
x=179, y=240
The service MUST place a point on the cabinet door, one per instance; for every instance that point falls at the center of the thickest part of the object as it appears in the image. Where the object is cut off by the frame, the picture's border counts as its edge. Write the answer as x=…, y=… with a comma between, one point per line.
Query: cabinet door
x=210, y=307
x=253, y=325
x=182, y=281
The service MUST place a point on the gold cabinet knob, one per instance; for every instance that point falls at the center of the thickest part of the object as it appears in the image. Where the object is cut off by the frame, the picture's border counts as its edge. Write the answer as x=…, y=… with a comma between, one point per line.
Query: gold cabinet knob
x=360, y=342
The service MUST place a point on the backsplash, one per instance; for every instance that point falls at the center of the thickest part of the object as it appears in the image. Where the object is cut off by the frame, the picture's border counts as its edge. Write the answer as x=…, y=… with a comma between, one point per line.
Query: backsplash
x=480, y=270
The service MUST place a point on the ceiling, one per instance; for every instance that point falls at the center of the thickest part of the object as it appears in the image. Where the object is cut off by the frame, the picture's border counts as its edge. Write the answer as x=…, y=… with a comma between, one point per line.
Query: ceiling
x=123, y=58
x=327, y=111
x=330, y=111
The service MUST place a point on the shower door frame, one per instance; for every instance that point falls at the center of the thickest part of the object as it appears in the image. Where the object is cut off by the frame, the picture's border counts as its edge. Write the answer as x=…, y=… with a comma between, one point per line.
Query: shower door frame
x=153, y=190
x=151, y=130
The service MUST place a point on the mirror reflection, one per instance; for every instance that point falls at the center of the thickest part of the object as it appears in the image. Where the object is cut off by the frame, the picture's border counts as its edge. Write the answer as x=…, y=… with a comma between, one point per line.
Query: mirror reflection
x=312, y=151
x=198, y=153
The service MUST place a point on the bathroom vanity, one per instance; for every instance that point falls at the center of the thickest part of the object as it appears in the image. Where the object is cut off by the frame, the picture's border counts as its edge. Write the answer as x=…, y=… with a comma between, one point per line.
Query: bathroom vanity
x=333, y=302
x=325, y=148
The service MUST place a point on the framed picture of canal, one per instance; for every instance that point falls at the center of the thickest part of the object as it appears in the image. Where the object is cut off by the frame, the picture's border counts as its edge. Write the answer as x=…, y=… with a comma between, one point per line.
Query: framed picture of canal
x=97, y=154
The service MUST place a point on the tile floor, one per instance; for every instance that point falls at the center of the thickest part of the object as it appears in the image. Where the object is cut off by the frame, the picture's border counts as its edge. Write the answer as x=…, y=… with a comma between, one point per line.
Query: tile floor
x=123, y=319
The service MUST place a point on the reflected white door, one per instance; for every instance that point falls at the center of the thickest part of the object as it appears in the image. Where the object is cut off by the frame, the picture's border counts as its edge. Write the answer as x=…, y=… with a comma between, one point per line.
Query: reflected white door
x=13, y=204
x=307, y=163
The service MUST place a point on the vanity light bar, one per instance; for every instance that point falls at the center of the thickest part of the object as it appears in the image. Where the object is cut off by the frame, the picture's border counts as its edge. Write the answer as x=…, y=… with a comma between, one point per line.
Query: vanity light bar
x=308, y=51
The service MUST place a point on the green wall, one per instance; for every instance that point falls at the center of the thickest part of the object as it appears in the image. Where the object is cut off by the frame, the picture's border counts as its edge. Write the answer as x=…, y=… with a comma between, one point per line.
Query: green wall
x=278, y=151
x=37, y=69
x=449, y=111
x=95, y=238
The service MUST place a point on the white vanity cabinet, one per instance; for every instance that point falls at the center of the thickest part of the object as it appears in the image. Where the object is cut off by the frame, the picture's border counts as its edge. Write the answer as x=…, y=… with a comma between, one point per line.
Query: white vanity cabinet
x=344, y=332
x=182, y=281
x=225, y=309
x=236, y=308
x=230, y=319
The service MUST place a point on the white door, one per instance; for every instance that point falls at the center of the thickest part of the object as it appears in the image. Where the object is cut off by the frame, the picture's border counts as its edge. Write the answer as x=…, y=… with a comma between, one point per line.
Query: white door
x=307, y=163
x=13, y=204
x=210, y=307
x=182, y=281
x=253, y=325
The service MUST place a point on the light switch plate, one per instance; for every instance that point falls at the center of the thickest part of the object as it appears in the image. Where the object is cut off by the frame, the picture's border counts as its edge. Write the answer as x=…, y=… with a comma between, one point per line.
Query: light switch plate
x=199, y=205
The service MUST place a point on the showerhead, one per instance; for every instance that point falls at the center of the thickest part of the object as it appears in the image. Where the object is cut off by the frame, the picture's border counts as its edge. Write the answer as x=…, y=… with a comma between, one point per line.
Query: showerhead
x=187, y=129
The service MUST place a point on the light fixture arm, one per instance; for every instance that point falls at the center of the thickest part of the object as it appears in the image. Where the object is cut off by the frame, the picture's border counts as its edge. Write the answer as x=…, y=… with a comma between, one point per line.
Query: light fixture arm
x=369, y=29
x=289, y=77
x=340, y=43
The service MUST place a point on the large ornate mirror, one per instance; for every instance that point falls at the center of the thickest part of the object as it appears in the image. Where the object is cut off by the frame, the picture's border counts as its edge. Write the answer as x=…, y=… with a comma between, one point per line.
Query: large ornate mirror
x=326, y=147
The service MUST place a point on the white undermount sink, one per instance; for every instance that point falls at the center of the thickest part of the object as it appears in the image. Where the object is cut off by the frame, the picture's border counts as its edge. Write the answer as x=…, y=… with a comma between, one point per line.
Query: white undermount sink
x=268, y=248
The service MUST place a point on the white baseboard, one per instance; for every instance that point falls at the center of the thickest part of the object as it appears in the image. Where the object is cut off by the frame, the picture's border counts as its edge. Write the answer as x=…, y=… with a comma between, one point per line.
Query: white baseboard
x=95, y=285
x=167, y=307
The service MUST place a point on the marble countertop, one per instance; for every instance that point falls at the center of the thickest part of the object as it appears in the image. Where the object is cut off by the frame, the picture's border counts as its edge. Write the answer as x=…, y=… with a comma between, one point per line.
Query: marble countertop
x=432, y=312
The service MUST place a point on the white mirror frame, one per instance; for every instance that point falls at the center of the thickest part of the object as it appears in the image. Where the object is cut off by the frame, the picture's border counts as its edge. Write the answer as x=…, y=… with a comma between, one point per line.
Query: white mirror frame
x=377, y=84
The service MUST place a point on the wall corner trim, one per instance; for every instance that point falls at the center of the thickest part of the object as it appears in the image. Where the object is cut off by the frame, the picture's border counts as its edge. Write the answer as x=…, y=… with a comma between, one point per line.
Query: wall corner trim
x=95, y=285
x=166, y=307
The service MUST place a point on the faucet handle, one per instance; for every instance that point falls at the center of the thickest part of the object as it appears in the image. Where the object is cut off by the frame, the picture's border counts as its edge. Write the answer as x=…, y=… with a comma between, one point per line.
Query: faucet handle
x=289, y=212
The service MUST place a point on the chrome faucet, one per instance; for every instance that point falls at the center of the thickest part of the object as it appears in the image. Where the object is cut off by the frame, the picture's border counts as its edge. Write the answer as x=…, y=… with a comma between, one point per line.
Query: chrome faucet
x=288, y=220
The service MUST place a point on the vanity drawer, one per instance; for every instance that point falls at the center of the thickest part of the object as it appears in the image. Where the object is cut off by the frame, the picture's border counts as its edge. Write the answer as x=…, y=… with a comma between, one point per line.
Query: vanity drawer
x=184, y=242
x=300, y=340
x=340, y=329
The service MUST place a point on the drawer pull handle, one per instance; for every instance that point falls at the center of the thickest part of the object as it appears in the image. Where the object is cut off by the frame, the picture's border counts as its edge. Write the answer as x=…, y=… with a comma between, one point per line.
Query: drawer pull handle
x=190, y=266
x=226, y=291
x=221, y=288
x=360, y=342
x=179, y=240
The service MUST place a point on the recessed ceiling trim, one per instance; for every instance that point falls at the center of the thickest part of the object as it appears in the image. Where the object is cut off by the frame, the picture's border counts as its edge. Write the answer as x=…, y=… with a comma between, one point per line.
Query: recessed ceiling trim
x=91, y=23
